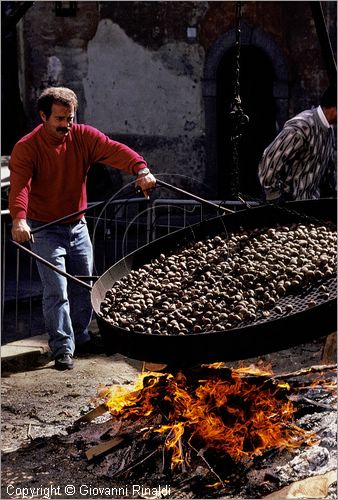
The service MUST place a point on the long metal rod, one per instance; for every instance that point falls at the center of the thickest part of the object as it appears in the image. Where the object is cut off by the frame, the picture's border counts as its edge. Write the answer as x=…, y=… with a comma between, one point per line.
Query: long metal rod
x=17, y=276
x=51, y=266
x=66, y=217
x=194, y=196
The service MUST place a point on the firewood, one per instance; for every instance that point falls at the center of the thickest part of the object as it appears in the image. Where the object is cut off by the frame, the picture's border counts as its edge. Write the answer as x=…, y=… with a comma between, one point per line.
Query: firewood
x=180, y=445
x=133, y=465
x=329, y=354
x=29, y=433
x=104, y=447
x=296, y=398
x=305, y=371
x=306, y=375
x=311, y=487
x=95, y=432
x=96, y=412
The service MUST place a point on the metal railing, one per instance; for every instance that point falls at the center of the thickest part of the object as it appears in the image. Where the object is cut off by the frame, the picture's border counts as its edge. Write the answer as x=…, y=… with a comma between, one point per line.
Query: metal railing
x=116, y=230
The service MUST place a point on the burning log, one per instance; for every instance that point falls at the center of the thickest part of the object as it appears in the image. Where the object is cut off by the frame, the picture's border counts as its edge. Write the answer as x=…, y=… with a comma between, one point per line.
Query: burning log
x=311, y=375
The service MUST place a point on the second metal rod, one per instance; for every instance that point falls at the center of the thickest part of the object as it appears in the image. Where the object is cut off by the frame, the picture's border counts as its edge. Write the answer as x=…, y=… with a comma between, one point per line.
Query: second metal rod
x=194, y=196
x=66, y=217
x=51, y=266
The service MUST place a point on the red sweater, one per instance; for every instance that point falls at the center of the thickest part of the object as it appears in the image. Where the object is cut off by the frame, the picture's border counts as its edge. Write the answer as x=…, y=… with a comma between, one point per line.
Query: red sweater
x=48, y=176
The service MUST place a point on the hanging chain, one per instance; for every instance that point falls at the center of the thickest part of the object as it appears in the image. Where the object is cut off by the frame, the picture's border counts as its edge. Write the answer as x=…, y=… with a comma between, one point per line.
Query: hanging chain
x=238, y=53
x=238, y=120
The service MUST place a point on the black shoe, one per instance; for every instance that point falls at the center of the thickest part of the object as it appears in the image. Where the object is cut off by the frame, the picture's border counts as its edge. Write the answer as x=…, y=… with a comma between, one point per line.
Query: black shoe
x=64, y=362
x=92, y=346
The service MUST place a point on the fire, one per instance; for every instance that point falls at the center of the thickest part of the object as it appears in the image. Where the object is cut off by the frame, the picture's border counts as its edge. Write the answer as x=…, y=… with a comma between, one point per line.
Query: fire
x=330, y=386
x=172, y=441
x=229, y=414
x=118, y=397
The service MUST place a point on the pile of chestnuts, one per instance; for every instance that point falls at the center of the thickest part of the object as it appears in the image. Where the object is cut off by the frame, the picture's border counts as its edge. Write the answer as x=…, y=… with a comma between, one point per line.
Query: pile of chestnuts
x=220, y=282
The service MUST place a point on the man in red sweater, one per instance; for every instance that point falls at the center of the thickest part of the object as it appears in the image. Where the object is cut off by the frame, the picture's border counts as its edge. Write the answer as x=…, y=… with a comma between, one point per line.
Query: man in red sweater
x=48, y=171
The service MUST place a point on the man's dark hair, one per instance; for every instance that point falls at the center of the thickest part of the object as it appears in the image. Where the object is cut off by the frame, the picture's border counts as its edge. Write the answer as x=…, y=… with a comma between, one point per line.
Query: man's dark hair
x=329, y=98
x=56, y=95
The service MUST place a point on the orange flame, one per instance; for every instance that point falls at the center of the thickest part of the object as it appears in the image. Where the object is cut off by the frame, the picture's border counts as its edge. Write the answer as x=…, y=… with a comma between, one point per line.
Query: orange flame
x=235, y=416
x=176, y=431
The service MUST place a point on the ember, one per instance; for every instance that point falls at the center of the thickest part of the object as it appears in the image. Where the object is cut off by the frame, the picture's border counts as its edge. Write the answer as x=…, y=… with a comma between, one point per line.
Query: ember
x=227, y=413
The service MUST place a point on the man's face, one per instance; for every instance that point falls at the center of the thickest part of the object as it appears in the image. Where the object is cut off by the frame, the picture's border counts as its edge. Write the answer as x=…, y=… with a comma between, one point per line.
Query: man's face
x=60, y=121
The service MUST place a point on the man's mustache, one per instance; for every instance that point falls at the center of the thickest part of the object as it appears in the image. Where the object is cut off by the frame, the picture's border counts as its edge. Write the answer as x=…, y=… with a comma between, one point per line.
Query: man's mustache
x=63, y=129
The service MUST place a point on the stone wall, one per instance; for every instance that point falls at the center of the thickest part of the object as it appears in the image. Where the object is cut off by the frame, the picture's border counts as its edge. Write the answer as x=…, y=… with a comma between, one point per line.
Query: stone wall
x=139, y=68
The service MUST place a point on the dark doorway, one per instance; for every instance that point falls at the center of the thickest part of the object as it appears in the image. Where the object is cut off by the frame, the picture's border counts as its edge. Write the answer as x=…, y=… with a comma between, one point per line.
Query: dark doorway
x=256, y=91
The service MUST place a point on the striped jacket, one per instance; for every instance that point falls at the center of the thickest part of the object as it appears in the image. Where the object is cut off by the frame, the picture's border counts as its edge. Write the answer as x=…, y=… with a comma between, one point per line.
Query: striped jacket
x=300, y=160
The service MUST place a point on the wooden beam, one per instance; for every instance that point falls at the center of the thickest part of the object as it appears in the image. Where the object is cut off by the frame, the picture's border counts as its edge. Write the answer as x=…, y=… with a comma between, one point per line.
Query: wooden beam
x=104, y=447
x=96, y=412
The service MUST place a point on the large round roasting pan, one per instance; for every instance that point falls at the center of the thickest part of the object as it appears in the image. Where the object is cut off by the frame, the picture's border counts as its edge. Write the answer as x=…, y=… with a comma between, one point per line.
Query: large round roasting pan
x=248, y=340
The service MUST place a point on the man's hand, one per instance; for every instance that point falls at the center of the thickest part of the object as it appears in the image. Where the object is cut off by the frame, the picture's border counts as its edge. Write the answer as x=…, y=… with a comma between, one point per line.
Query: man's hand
x=146, y=183
x=21, y=231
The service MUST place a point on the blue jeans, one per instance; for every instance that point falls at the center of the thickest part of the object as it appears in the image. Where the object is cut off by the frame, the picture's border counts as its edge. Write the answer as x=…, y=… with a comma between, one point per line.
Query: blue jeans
x=67, y=306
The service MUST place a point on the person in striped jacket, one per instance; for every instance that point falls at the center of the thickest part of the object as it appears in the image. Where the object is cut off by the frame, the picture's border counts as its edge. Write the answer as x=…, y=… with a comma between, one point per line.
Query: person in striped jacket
x=300, y=163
